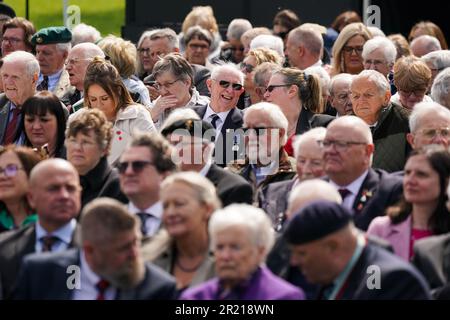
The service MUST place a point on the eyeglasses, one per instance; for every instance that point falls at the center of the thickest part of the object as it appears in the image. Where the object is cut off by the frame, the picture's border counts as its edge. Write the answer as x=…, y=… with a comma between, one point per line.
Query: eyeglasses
x=417, y=93
x=248, y=68
x=349, y=50
x=195, y=46
x=273, y=86
x=12, y=40
x=10, y=170
x=83, y=144
x=340, y=145
x=225, y=84
x=137, y=166
x=374, y=62
x=431, y=133
x=75, y=61
x=167, y=85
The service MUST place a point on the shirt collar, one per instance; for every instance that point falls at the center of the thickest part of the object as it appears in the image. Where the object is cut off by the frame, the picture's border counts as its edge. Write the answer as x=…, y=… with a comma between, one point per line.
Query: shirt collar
x=355, y=185
x=86, y=270
x=64, y=233
x=222, y=115
x=155, y=210
x=52, y=77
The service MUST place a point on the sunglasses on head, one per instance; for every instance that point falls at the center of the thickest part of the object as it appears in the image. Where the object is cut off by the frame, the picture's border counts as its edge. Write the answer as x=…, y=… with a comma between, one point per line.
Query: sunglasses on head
x=225, y=84
x=137, y=166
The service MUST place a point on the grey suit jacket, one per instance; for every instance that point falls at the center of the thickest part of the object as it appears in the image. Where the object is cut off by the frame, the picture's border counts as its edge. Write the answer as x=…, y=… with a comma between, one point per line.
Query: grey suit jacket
x=44, y=277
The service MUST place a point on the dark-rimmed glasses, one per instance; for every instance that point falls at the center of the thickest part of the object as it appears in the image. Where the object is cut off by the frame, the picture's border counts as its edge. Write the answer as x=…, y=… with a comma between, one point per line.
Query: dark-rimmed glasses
x=340, y=145
x=10, y=170
x=136, y=166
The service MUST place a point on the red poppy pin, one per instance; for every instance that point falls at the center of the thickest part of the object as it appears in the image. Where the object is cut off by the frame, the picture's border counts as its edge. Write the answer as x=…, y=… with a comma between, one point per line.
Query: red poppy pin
x=366, y=195
x=119, y=134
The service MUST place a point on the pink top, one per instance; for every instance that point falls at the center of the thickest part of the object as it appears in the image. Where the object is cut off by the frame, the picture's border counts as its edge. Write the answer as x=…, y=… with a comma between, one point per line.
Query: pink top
x=417, y=234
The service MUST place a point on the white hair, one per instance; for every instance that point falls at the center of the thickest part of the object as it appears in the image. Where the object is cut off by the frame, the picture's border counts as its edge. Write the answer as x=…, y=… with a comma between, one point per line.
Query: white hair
x=430, y=43
x=254, y=220
x=423, y=109
x=27, y=59
x=386, y=45
x=376, y=32
x=441, y=87
x=312, y=190
x=85, y=33
x=177, y=115
x=89, y=50
x=439, y=59
x=274, y=114
x=237, y=27
x=312, y=135
x=227, y=68
x=268, y=41
x=341, y=77
x=323, y=75
x=380, y=80
x=64, y=47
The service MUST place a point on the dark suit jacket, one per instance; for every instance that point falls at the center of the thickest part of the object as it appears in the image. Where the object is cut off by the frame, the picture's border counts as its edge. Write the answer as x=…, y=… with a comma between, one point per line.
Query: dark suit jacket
x=399, y=280
x=233, y=121
x=4, y=112
x=308, y=120
x=432, y=258
x=102, y=181
x=231, y=188
x=14, y=245
x=378, y=191
x=44, y=277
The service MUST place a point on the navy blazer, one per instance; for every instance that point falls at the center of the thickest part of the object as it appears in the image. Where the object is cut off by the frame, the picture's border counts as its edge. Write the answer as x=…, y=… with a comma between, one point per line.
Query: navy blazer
x=233, y=121
x=44, y=277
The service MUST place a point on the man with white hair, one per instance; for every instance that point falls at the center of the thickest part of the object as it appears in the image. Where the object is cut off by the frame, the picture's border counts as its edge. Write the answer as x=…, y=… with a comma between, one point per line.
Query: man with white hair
x=77, y=62
x=235, y=30
x=348, y=150
x=20, y=72
x=339, y=97
x=424, y=44
x=226, y=86
x=440, y=91
x=268, y=41
x=85, y=33
x=379, y=54
x=437, y=61
x=304, y=48
x=266, y=160
x=430, y=124
x=52, y=48
x=387, y=121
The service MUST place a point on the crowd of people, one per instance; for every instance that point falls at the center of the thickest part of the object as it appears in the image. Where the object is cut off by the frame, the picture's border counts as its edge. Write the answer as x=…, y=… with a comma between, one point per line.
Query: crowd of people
x=284, y=163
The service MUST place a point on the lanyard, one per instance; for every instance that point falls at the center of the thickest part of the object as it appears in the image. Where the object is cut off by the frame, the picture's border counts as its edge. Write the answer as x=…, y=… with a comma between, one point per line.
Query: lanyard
x=341, y=280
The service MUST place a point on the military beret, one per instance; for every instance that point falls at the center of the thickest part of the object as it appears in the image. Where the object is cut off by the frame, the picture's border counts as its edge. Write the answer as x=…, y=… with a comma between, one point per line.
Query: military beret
x=52, y=35
x=192, y=127
x=7, y=10
x=315, y=221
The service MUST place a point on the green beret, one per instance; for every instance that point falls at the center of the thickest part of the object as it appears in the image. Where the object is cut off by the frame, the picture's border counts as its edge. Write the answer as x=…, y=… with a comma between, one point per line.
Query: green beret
x=52, y=35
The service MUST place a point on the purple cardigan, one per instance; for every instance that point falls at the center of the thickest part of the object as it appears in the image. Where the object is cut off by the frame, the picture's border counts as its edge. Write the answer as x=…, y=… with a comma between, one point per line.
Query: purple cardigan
x=264, y=285
x=398, y=235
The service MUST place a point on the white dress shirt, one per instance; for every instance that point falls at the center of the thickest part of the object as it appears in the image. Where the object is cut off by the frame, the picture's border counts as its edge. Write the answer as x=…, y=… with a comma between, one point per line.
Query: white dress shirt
x=53, y=79
x=153, y=222
x=222, y=116
x=353, y=188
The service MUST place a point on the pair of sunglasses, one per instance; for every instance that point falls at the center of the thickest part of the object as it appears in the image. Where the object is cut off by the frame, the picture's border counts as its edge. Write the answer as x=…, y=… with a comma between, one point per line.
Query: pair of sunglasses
x=225, y=84
x=137, y=166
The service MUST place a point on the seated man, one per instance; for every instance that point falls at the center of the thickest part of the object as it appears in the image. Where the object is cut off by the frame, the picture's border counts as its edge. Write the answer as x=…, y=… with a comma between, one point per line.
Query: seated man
x=331, y=252
x=108, y=267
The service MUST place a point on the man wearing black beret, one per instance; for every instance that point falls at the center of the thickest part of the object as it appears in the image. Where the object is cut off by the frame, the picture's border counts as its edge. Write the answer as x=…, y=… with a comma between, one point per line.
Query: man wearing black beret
x=52, y=48
x=331, y=252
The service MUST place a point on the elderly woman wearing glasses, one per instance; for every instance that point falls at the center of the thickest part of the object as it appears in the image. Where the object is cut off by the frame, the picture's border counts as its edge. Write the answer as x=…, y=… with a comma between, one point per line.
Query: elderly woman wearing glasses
x=348, y=48
x=241, y=237
x=370, y=96
x=175, y=84
x=15, y=167
x=412, y=77
x=88, y=144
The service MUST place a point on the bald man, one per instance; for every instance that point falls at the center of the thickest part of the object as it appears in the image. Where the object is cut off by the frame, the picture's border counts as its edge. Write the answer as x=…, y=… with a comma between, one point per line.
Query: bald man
x=348, y=150
x=55, y=195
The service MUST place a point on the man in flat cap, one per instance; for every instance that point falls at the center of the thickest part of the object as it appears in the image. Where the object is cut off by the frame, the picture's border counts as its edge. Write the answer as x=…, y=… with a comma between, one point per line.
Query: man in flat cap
x=52, y=48
x=331, y=252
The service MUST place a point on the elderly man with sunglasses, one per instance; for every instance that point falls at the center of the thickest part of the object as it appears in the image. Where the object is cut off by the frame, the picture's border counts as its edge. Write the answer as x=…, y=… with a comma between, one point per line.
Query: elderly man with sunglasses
x=142, y=167
x=225, y=85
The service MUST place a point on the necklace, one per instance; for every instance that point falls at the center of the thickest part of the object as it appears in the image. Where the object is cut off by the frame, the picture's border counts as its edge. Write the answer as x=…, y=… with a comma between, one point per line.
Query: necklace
x=187, y=269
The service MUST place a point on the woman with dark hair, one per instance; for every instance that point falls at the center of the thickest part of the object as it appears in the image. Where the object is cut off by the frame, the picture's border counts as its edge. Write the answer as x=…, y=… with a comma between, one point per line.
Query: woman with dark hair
x=105, y=90
x=422, y=211
x=15, y=167
x=44, y=122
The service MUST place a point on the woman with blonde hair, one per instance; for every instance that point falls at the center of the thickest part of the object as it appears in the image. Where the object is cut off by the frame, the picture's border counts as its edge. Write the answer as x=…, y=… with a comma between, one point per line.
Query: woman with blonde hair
x=182, y=248
x=347, y=50
x=105, y=90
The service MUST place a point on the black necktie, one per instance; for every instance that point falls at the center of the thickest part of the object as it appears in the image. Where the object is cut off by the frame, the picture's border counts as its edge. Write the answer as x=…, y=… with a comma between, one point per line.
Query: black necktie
x=214, y=119
x=143, y=217
x=75, y=97
x=47, y=242
x=344, y=193
x=43, y=85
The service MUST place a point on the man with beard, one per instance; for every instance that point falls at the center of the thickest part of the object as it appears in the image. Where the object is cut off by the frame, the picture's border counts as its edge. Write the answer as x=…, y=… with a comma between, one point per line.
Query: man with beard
x=109, y=265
